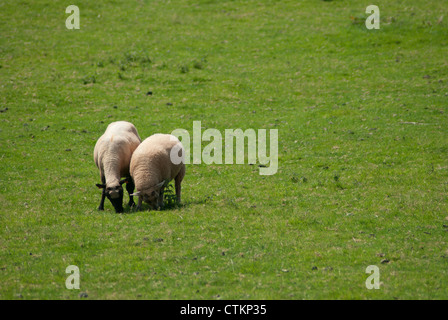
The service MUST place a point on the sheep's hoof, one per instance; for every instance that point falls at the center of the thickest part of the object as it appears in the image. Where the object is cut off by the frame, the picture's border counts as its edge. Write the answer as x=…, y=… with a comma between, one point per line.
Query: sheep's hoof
x=100, y=208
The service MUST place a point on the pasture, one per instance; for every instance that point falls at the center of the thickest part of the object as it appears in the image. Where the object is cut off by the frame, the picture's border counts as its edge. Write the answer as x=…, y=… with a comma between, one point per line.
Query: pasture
x=362, y=148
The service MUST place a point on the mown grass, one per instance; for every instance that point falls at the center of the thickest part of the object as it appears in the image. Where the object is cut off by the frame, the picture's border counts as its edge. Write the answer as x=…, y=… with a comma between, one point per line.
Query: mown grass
x=363, y=144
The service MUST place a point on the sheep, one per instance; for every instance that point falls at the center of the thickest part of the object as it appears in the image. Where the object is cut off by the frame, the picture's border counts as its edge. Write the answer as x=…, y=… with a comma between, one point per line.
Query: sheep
x=157, y=160
x=112, y=155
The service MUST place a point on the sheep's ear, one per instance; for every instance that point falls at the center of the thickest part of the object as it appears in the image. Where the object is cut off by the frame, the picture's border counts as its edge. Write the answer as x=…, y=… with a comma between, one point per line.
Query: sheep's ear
x=100, y=186
x=159, y=185
x=123, y=181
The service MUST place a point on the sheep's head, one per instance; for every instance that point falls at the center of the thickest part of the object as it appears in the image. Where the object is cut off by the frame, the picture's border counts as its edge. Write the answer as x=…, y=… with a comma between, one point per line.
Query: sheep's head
x=151, y=195
x=115, y=195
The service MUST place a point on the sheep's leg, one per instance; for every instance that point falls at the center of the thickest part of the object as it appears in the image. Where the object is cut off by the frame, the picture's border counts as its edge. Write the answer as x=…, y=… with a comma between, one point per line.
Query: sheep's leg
x=103, y=197
x=130, y=186
x=160, y=202
x=178, y=181
x=103, y=194
x=178, y=191
x=139, y=205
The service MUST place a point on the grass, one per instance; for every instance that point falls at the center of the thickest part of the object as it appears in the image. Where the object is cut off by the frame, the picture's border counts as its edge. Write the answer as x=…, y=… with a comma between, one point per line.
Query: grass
x=363, y=144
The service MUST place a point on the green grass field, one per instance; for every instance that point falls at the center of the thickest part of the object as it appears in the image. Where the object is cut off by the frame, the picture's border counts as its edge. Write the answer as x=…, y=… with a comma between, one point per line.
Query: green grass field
x=363, y=148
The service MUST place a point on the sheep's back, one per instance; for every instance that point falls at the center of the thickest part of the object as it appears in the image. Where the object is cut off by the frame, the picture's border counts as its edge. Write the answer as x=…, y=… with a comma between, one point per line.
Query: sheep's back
x=151, y=162
x=116, y=145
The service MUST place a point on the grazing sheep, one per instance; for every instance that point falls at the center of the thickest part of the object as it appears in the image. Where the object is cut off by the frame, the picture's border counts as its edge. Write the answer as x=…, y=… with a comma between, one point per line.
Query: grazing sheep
x=112, y=156
x=152, y=168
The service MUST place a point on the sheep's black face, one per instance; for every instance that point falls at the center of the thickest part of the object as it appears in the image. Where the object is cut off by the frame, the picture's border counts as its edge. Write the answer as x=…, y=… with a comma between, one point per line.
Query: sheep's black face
x=115, y=195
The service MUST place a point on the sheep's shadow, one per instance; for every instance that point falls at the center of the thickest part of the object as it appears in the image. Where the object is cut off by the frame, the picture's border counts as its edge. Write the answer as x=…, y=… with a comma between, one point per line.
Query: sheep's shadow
x=170, y=203
x=147, y=208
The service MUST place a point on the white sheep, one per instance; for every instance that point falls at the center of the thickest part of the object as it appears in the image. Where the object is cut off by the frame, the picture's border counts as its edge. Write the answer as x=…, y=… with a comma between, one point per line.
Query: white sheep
x=157, y=160
x=112, y=155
